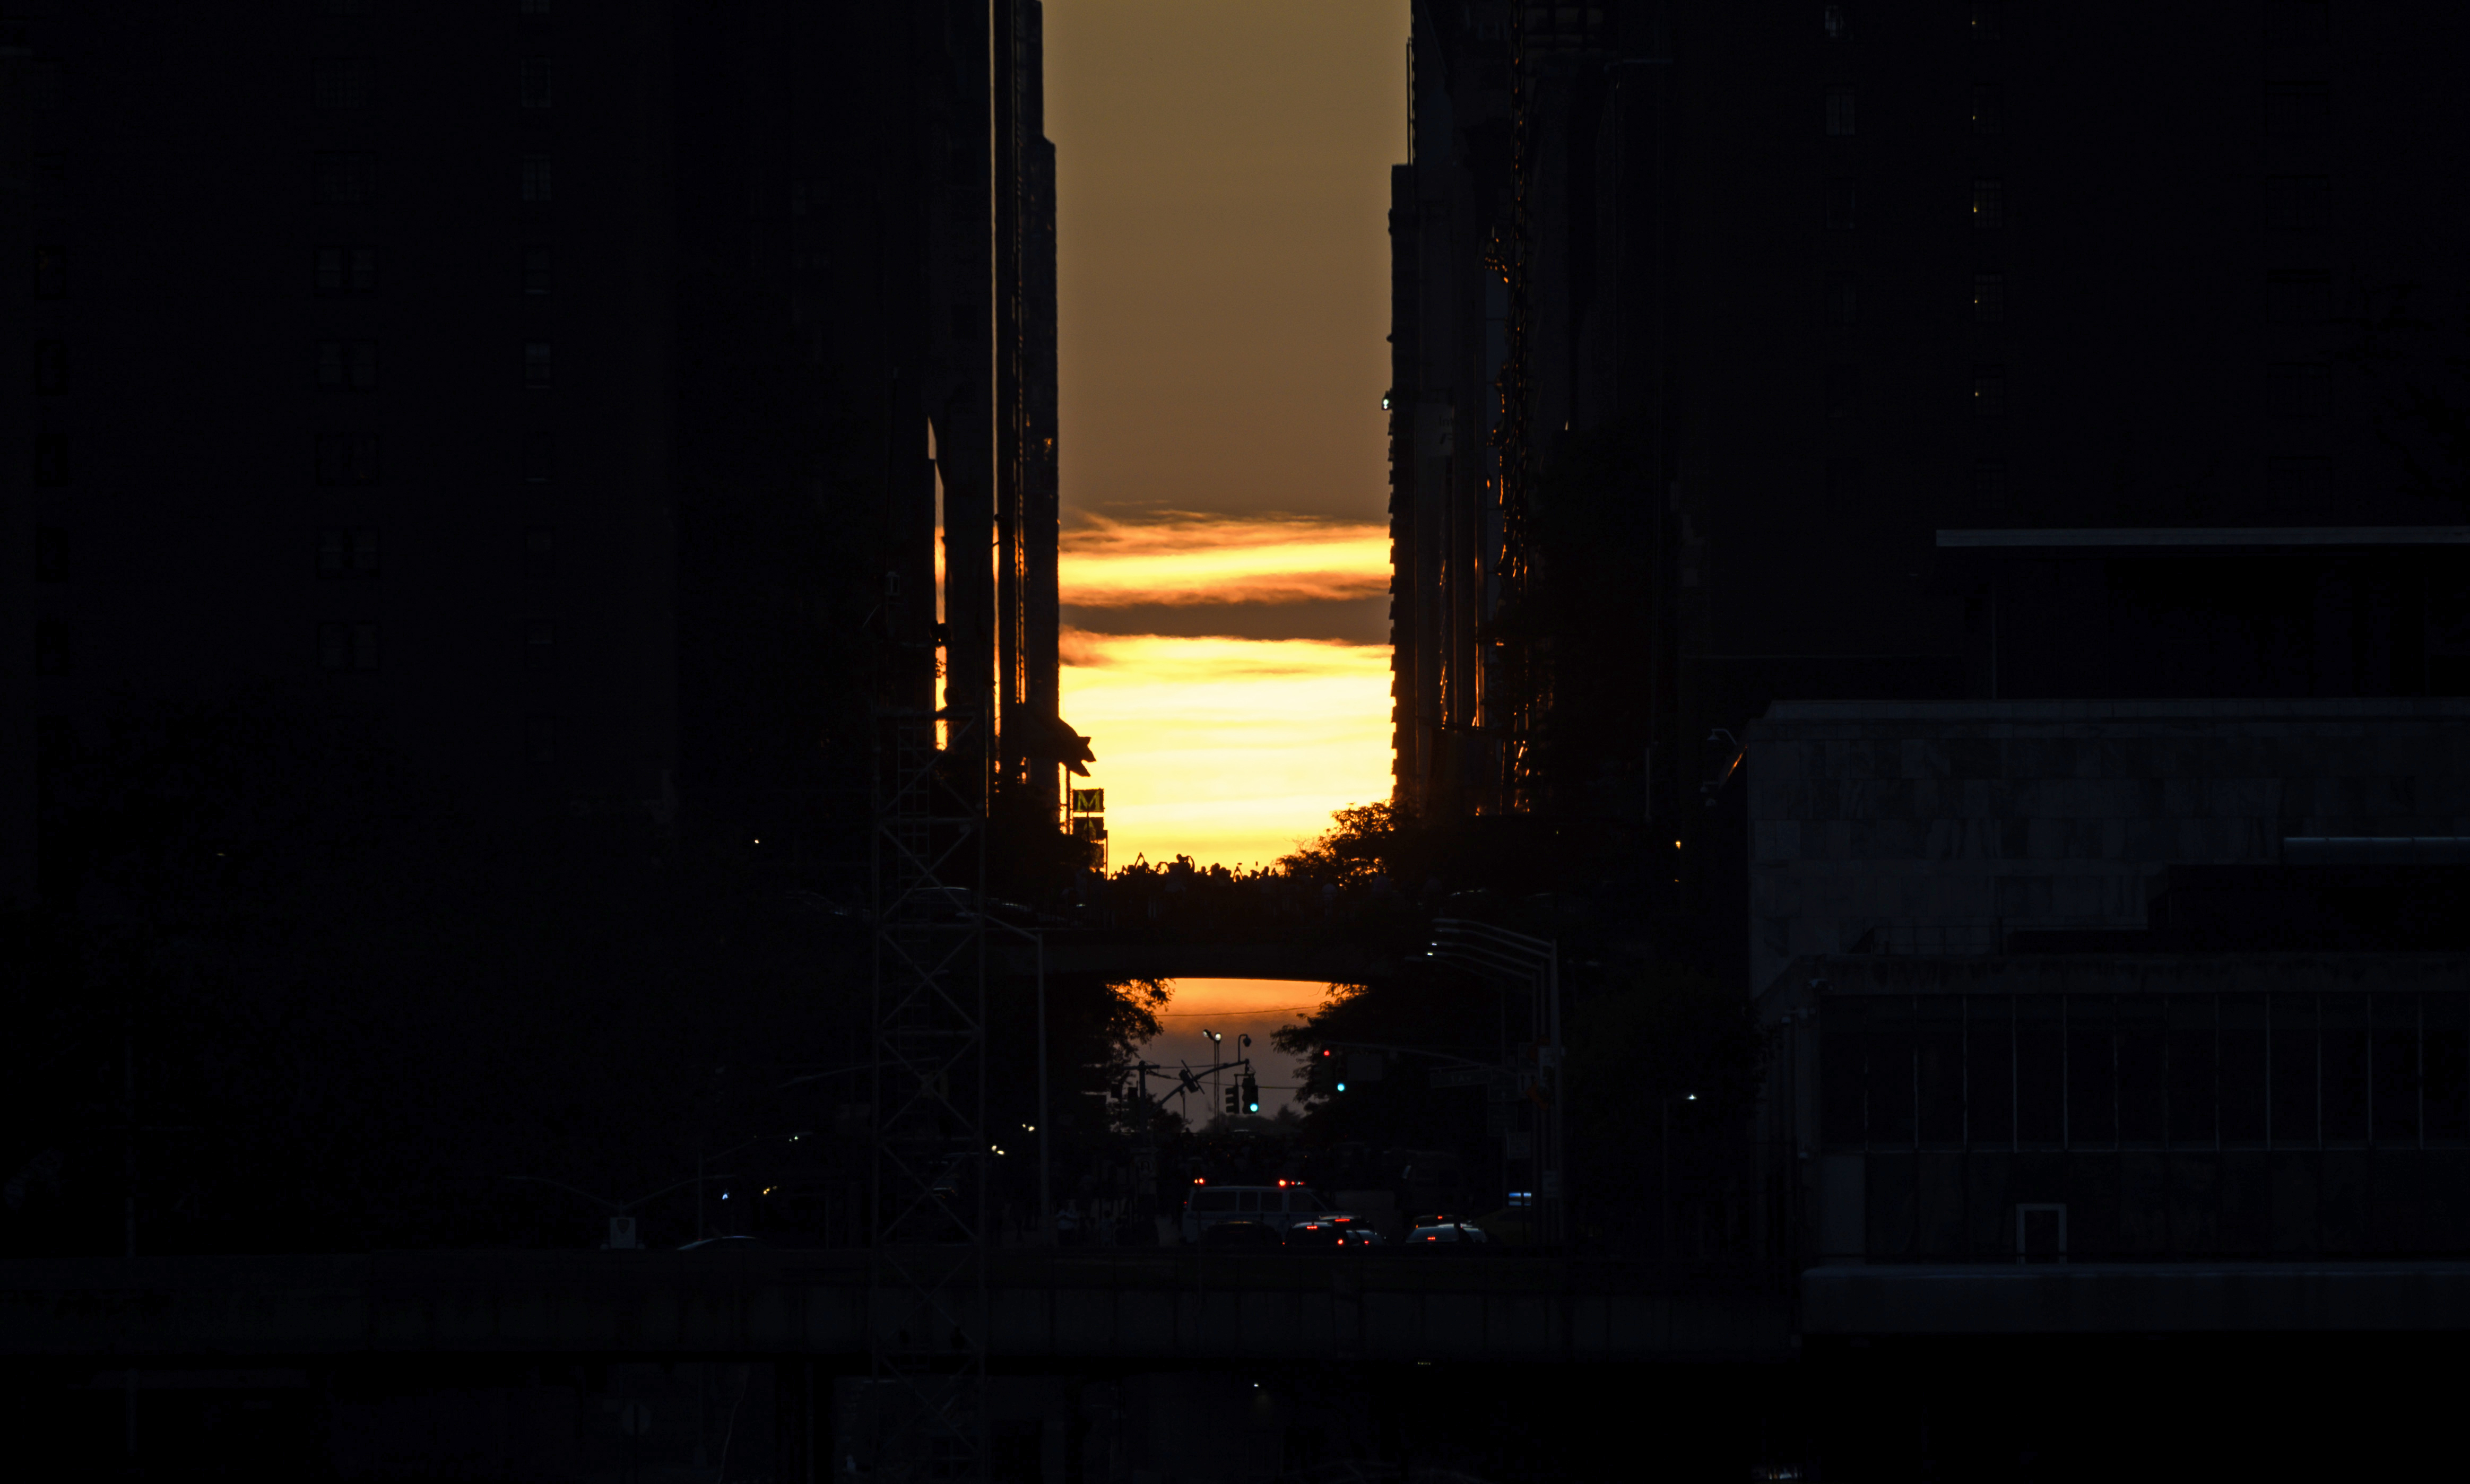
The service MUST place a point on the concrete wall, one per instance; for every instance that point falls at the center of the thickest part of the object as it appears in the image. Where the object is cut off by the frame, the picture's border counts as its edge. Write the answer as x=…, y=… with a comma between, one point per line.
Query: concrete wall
x=1941, y=827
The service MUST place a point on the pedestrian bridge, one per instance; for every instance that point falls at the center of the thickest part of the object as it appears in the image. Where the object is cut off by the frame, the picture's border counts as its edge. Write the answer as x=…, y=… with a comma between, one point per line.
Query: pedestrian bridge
x=1117, y=957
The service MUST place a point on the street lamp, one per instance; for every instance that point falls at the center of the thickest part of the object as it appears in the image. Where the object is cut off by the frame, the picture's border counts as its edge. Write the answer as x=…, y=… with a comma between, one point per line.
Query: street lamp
x=1214, y=1041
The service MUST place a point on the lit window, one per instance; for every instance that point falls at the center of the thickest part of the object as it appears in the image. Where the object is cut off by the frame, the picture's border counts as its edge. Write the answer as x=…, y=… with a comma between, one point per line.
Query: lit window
x=1988, y=204
x=1987, y=113
x=1839, y=111
x=537, y=185
x=536, y=364
x=1989, y=391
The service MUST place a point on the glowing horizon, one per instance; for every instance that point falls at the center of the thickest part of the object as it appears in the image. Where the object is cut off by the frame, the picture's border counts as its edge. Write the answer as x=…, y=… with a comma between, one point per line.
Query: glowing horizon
x=1229, y=750
x=1185, y=558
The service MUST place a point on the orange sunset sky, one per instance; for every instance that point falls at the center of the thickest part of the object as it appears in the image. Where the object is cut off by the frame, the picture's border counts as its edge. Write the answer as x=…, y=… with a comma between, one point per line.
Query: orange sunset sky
x=1223, y=190
x=1223, y=187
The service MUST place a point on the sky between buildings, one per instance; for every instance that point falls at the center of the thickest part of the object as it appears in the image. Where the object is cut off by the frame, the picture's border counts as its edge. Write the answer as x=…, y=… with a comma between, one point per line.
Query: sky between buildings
x=1223, y=197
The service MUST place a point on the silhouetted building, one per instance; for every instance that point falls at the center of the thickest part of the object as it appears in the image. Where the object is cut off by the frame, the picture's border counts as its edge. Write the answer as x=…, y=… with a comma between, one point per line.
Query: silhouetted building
x=1855, y=354
x=554, y=383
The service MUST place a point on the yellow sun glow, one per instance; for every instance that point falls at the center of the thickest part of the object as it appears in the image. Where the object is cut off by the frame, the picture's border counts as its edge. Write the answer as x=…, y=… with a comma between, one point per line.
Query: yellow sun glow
x=1228, y=749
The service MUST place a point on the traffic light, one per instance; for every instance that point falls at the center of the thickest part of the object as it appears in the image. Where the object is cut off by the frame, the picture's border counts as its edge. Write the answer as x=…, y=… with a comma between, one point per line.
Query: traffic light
x=1230, y=1103
x=1252, y=1094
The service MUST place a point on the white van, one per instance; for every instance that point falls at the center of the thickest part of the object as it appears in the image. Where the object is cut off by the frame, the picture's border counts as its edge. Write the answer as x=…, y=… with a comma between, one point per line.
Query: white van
x=1281, y=1206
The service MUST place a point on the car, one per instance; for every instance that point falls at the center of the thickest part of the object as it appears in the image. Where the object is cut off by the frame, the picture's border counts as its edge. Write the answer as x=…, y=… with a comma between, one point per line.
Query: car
x=1446, y=1230
x=1349, y=1235
x=1242, y=1236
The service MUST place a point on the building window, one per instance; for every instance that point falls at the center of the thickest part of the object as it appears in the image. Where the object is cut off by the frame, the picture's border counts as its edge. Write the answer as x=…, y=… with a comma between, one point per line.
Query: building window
x=2298, y=391
x=343, y=177
x=347, y=458
x=51, y=368
x=347, y=647
x=536, y=364
x=1839, y=112
x=1843, y=392
x=540, y=76
x=1990, y=486
x=2298, y=486
x=51, y=271
x=51, y=553
x=540, y=739
x=347, y=365
x=51, y=646
x=2301, y=296
x=540, y=551
x=2297, y=203
x=540, y=645
x=1989, y=297
x=2297, y=110
x=537, y=185
x=536, y=270
x=342, y=270
x=347, y=552
x=1989, y=391
x=1988, y=204
x=2295, y=21
x=1987, y=114
x=1843, y=302
x=344, y=82
x=1840, y=205
x=51, y=459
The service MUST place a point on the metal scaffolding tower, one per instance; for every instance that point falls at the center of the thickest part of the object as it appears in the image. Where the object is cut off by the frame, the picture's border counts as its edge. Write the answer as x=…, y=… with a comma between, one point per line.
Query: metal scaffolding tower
x=926, y=1323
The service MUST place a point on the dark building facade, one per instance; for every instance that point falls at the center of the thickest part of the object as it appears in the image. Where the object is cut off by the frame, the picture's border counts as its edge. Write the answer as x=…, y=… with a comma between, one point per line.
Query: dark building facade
x=552, y=383
x=1708, y=321
x=1973, y=489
